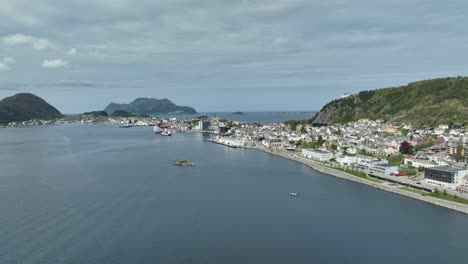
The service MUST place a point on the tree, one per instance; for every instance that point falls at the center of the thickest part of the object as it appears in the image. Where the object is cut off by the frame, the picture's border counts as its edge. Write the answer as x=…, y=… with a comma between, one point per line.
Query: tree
x=362, y=152
x=406, y=147
x=320, y=141
x=459, y=153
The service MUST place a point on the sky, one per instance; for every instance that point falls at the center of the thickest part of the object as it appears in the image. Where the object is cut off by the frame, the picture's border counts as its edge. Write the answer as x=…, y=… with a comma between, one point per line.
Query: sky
x=225, y=55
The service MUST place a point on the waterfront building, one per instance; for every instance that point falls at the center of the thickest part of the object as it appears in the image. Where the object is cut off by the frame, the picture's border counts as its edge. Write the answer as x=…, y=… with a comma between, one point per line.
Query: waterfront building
x=365, y=161
x=347, y=160
x=424, y=163
x=273, y=143
x=232, y=142
x=317, y=154
x=383, y=168
x=463, y=188
x=203, y=125
x=444, y=176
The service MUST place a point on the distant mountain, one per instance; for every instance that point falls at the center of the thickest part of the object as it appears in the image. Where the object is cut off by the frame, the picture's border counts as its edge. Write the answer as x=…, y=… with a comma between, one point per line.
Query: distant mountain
x=430, y=102
x=26, y=106
x=148, y=106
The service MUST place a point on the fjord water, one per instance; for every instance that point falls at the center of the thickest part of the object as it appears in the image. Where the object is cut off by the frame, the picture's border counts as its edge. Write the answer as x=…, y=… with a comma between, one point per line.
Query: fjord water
x=102, y=194
x=251, y=117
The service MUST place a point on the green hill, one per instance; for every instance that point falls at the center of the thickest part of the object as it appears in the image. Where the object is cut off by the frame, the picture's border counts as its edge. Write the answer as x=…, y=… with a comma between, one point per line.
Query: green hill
x=26, y=106
x=122, y=113
x=96, y=114
x=429, y=102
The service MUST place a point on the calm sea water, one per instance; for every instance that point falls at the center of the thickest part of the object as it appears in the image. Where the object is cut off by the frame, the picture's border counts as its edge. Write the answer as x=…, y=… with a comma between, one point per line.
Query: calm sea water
x=101, y=194
x=252, y=117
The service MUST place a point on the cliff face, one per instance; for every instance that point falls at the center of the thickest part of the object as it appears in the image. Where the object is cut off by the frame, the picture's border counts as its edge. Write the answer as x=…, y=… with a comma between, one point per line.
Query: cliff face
x=146, y=106
x=26, y=106
x=429, y=102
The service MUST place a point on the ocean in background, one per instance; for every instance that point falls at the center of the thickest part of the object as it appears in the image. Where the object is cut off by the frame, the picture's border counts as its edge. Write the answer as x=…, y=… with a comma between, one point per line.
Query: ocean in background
x=99, y=194
x=252, y=117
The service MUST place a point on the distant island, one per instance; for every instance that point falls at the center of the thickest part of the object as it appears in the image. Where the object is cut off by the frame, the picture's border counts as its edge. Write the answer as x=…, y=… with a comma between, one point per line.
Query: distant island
x=430, y=102
x=150, y=106
x=26, y=106
x=238, y=113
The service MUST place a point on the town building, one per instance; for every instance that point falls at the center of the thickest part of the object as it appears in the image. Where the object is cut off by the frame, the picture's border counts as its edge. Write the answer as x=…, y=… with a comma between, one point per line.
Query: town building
x=347, y=160
x=392, y=129
x=203, y=125
x=273, y=143
x=445, y=176
x=383, y=168
x=232, y=142
x=366, y=161
x=317, y=154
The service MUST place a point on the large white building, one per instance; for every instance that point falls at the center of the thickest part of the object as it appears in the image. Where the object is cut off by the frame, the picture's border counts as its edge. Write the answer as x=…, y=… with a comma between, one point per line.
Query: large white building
x=446, y=177
x=422, y=163
x=232, y=142
x=367, y=161
x=317, y=154
x=347, y=160
x=382, y=168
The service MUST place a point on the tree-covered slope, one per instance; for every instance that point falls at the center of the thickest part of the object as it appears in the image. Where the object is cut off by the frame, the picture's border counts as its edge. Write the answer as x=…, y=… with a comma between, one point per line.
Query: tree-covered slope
x=26, y=106
x=429, y=102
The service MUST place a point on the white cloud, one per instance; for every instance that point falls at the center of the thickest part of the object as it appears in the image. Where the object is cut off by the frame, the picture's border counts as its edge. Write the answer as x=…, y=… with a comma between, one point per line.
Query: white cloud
x=279, y=41
x=56, y=63
x=72, y=52
x=8, y=60
x=5, y=64
x=4, y=67
x=20, y=39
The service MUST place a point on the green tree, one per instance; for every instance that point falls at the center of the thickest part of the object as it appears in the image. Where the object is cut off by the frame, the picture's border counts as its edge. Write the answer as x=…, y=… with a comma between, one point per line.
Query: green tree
x=459, y=152
x=396, y=159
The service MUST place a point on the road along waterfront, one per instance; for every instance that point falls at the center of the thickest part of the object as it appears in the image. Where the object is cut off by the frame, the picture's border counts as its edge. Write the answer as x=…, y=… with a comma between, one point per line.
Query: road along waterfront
x=382, y=186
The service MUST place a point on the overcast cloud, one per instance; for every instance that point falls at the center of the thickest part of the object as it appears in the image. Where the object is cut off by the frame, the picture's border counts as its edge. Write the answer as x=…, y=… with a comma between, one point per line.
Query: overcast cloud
x=225, y=55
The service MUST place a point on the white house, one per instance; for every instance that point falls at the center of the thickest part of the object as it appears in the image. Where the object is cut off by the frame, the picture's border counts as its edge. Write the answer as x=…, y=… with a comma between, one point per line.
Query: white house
x=317, y=154
x=347, y=160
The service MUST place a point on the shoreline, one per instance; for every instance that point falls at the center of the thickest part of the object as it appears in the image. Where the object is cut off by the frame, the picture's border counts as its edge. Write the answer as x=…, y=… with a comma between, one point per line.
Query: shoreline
x=461, y=208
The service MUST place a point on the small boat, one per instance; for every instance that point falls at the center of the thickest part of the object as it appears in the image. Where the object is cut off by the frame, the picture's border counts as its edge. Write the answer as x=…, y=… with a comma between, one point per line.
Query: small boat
x=166, y=132
x=156, y=129
x=294, y=194
x=126, y=126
